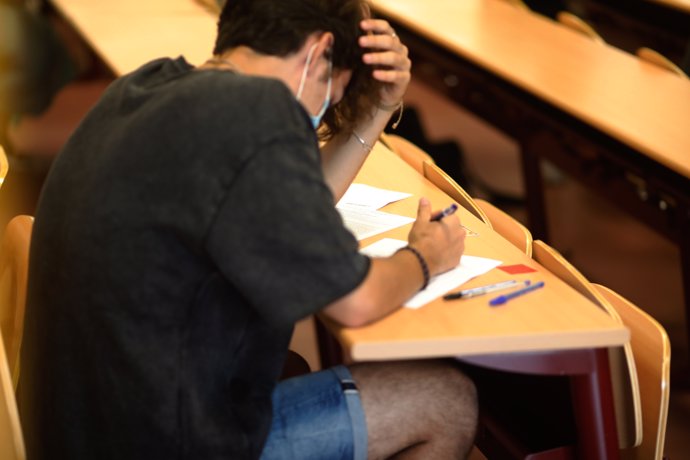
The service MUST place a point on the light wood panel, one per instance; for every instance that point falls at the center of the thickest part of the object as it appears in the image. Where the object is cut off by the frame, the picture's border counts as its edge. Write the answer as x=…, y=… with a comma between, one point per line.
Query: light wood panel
x=604, y=87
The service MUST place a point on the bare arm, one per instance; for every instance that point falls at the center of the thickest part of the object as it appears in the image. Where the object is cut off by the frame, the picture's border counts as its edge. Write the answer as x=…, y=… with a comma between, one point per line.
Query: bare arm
x=393, y=280
x=344, y=155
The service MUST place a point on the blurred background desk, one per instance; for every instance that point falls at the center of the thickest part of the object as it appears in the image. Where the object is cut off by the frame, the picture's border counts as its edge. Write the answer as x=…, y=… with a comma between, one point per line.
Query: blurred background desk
x=128, y=33
x=616, y=124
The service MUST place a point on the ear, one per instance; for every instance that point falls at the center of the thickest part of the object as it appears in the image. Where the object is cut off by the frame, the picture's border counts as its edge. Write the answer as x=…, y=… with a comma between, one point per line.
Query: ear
x=322, y=42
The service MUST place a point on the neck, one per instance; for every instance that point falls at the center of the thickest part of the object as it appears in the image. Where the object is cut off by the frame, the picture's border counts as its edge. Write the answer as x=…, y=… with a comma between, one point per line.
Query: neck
x=245, y=60
x=220, y=62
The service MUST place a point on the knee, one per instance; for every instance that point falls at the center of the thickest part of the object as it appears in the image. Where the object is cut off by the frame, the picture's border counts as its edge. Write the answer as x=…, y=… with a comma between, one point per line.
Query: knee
x=457, y=392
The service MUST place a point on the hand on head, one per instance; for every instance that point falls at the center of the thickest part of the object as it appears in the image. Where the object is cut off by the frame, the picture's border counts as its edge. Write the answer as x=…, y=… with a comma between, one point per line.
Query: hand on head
x=388, y=55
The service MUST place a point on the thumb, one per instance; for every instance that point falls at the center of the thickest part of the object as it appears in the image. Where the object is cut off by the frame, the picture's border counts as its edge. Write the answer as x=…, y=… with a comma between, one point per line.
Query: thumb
x=424, y=210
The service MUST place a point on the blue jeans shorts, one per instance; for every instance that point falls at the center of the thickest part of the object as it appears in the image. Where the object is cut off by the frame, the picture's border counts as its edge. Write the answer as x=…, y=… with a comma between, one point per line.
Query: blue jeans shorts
x=317, y=416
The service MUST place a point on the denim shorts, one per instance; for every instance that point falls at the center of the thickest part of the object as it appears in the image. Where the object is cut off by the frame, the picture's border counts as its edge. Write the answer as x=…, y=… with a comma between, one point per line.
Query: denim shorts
x=317, y=416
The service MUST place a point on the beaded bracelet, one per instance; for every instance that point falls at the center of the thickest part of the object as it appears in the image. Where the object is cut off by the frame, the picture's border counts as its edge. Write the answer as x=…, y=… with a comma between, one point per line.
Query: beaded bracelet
x=364, y=143
x=422, y=263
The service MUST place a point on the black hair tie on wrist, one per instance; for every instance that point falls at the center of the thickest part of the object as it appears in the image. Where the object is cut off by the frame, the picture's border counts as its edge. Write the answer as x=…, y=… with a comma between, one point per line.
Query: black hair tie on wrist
x=422, y=263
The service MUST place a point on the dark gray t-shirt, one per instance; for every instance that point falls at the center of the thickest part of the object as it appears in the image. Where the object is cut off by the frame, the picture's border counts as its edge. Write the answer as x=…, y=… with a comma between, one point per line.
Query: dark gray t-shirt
x=180, y=234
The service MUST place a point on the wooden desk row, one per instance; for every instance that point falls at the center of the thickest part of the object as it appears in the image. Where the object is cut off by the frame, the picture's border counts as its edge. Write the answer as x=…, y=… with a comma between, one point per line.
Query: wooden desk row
x=613, y=122
x=660, y=24
x=554, y=332
x=128, y=33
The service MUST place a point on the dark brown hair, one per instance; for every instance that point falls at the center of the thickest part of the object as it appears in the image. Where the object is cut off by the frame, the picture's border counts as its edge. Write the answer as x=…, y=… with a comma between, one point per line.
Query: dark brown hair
x=281, y=27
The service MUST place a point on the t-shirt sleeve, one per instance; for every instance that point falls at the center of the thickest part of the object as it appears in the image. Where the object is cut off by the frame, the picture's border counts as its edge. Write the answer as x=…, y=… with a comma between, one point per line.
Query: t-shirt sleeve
x=279, y=239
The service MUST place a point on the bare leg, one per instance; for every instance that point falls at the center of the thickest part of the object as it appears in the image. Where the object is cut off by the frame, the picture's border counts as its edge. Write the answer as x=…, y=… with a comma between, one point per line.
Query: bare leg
x=417, y=409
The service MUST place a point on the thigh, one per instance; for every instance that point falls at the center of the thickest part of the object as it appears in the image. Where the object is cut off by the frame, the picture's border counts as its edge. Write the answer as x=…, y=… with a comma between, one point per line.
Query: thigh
x=415, y=406
x=317, y=416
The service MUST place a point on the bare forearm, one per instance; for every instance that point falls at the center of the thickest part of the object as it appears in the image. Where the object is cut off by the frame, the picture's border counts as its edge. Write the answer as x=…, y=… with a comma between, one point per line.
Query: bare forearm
x=343, y=156
x=389, y=283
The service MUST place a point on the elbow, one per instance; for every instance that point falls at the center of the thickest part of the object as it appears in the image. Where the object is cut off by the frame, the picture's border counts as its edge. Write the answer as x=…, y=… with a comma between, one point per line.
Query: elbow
x=357, y=309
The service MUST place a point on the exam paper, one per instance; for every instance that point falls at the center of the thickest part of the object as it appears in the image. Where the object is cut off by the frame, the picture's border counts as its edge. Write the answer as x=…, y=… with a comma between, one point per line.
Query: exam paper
x=364, y=222
x=470, y=267
x=371, y=197
x=359, y=209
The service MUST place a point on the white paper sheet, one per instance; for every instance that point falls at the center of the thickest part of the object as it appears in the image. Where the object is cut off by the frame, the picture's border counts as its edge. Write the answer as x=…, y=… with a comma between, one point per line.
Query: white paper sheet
x=470, y=267
x=364, y=222
x=371, y=197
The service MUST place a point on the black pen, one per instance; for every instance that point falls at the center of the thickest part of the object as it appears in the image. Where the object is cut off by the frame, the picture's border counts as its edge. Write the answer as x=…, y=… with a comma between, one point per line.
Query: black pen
x=481, y=290
x=446, y=212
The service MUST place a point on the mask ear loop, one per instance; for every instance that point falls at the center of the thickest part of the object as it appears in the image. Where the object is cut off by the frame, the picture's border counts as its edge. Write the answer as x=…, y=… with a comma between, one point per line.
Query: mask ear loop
x=303, y=80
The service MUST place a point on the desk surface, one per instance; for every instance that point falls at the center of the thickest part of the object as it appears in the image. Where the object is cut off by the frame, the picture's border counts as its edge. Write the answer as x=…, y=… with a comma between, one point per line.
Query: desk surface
x=630, y=100
x=129, y=33
x=553, y=318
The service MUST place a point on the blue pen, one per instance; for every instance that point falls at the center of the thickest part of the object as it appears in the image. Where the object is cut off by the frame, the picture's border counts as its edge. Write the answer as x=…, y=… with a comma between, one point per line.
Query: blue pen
x=501, y=299
x=446, y=212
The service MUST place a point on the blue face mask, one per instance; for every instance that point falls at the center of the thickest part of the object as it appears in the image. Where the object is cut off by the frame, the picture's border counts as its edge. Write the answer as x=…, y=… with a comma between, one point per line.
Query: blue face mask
x=316, y=119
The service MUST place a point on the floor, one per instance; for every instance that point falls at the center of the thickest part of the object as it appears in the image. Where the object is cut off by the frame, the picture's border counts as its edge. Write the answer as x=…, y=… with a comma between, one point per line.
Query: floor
x=606, y=245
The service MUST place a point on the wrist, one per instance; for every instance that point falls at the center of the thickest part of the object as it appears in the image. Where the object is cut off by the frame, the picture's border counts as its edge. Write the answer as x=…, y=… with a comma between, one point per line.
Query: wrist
x=390, y=109
x=423, y=265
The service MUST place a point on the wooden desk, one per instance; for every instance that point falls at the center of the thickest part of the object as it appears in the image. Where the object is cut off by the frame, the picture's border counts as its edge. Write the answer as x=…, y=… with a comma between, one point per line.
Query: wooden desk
x=470, y=327
x=129, y=33
x=618, y=125
x=553, y=332
x=663, y=25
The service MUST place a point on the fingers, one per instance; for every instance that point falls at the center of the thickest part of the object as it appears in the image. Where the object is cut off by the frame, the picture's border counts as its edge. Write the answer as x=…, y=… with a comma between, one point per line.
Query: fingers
x=377, y=26
x=388, y=56
x=424, y=210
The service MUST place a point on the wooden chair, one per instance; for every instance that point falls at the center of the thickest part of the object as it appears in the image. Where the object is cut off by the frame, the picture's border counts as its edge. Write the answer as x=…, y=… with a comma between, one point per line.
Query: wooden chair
x=518, y=3
x=213, y=6
x=575, y=23
x=11, y=439
x=14, y=268
x=443, y=181
x=656, y=58
x=624, y=379
x=508, y=227
x=4, y=165
x=408, y=151
x=652, y=350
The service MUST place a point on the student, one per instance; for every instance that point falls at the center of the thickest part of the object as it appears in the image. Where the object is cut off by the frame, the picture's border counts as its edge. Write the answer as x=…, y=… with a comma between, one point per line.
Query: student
x=190, y=222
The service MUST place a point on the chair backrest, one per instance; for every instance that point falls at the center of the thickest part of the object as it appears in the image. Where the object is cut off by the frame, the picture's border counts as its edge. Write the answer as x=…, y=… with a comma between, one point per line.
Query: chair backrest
x=408, y=151
x=447, y=184
x=577, y=24
x=624, y=380
x=11, y=439
x=518, y=3
x=212, y=6
x=652, y=350
x=4, y=165
x=14, y=268
x=656, y=58
x=507, y=226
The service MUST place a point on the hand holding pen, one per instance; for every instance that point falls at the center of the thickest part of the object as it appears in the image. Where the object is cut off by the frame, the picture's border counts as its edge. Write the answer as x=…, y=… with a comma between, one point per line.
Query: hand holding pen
x=441, y=245
x=450, y=210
